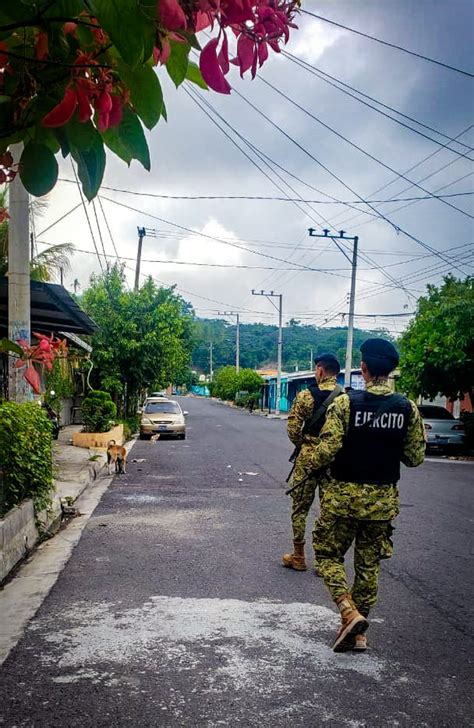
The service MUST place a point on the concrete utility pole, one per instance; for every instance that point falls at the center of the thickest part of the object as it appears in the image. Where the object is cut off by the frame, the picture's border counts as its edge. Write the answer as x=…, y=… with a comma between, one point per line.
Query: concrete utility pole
x=19, y=297
x=353, y=262
x=237, y=336
x=141, y=235
x=279, y=308
x=211, y=371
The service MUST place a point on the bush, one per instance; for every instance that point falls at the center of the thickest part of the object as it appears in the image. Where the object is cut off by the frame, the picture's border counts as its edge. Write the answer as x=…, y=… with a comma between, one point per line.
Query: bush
x=227, y=383
x=98, y=411
x=26, y=455
x=249, y=401
x=131, y=425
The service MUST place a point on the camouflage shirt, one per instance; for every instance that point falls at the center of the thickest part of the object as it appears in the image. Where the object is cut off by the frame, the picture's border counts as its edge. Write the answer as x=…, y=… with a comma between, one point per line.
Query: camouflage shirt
x=357, y=500
x=301, y=410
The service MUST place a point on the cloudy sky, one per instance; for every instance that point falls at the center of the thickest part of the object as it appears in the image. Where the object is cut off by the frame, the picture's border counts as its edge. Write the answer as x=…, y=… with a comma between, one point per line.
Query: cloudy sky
x=192, y=156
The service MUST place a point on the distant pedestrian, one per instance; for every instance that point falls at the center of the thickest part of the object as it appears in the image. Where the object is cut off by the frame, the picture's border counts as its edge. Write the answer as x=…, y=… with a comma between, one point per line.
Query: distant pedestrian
x=305, y=419
x=365, y=437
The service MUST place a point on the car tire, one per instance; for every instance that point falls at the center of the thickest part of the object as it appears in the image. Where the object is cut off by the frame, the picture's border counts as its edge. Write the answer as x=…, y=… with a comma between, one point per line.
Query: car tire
x=181, y=437
x=144, y=436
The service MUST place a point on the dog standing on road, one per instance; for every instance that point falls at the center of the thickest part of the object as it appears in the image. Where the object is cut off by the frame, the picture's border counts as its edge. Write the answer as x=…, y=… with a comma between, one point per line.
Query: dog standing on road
x=116, y=454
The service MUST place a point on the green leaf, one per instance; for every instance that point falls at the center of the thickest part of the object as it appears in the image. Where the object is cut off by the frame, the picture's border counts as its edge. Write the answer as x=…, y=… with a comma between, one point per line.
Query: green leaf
x=177, y=64
x=194, y=75
x=112, y=140
x=145, y=92
x=38, y=169
x=128, y=140
x=6, y=345
x=87, y=148
x=127, y=27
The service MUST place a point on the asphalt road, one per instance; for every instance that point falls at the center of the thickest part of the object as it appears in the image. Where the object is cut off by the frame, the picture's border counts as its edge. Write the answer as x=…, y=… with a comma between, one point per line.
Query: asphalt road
x=174, y=610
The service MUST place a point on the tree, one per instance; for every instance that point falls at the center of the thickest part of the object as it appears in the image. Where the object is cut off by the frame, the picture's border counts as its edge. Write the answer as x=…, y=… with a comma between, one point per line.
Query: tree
x=437, y=349
x=78, y=74
x=144, y=339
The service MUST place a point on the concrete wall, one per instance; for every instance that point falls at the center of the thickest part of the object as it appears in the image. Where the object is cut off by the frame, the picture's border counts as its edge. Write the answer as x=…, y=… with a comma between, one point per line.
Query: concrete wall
x=19, y=533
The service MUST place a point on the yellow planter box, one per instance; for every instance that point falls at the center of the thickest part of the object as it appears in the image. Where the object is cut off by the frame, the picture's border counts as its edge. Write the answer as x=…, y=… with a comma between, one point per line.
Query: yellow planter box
x=98, y=439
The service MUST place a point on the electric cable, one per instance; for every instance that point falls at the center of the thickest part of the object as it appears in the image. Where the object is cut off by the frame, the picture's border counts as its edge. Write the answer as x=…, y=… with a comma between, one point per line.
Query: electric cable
x=397, y=228
x=324, y=76
x=360, y=149
x=390, y=45
x=87, y=217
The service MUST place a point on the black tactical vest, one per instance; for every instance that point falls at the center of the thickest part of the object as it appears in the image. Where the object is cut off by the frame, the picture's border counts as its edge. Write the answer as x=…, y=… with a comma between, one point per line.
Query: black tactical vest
x=373, y=447
x=319, y=396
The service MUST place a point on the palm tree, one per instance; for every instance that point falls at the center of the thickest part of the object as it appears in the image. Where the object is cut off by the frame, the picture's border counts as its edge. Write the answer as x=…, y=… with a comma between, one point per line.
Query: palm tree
x=44, y=266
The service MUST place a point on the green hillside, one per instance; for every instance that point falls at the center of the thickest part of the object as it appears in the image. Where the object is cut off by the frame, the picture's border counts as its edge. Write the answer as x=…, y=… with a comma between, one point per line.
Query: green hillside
x=258, y=344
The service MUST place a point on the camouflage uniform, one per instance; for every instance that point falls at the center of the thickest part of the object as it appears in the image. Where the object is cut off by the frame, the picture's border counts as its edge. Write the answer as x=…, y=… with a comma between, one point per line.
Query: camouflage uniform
x=355, y=512
x=303, y=497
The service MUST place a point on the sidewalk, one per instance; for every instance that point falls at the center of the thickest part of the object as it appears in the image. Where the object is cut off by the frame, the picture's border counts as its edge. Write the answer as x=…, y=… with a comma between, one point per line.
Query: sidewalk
x=76, y=466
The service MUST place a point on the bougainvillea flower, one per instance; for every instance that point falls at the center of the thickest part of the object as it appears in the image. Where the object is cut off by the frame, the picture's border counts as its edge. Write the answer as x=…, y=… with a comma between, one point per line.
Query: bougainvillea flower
x=69, y=28
x=211, y=69
x=116, y=112
x=42, y=46
x=171, y=15
x=161, y=55
x=33, y=379
x=84, y=104
x=63, y=112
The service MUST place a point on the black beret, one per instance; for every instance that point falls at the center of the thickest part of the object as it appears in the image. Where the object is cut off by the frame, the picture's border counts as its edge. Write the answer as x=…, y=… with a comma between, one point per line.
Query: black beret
x=380, y=350
x=326, y=358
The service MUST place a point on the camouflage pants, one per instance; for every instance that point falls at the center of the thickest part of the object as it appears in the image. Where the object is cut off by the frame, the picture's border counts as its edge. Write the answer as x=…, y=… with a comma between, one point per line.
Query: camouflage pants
x=332, y=538
x=302, y=497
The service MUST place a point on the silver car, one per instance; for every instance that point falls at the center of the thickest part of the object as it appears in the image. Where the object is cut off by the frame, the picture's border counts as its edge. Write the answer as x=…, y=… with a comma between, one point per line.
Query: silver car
x=162, y=416
x=443, y=431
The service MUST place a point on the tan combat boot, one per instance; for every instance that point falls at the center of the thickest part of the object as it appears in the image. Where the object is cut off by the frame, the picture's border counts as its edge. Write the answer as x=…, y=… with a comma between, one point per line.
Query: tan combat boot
x=353, y=623
x=296, y=560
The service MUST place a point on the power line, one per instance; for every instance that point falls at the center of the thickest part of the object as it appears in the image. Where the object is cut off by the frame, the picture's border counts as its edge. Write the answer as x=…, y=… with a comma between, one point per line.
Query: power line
x=270, y=198
x=361, y=149
x=204, y=235
x=390, y=45
x=397, y=228
x=257, y=151
x=87, y=217
x=63, y=217
x=108, y=228
x=100, y=232
x=324, y=76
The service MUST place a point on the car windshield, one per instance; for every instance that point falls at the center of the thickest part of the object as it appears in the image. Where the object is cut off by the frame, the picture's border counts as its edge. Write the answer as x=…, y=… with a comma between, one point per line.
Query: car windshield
x=168, y=407
x=430, y=412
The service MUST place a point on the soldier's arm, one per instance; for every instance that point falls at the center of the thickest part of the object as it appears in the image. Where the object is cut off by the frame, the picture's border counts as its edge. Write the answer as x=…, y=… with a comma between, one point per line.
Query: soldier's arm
x=332, y=434
x=415, y=440
x=301, y=410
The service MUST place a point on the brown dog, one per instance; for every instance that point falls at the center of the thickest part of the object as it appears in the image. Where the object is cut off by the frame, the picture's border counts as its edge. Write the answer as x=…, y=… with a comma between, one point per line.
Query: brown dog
x=116, y=454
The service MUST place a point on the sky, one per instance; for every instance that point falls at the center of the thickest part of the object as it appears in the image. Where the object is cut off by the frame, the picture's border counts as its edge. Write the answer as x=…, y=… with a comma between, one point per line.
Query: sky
x=264, y=244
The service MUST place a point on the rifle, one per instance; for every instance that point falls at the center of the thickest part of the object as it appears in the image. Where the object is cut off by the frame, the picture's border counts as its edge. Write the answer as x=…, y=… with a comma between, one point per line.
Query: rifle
x=292, y=459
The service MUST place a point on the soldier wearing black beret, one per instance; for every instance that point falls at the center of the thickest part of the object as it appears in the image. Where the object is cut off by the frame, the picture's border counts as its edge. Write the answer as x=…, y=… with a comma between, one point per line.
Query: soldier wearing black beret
x=367, y=434
x=305, y=419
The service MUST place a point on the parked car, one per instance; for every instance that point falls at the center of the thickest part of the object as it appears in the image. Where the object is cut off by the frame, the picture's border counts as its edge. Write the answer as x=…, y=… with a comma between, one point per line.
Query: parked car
x=443, y=431
x=162, y=416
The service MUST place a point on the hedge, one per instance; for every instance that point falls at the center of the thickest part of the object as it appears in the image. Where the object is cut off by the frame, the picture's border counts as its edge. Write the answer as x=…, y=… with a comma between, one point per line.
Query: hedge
x=26, y=455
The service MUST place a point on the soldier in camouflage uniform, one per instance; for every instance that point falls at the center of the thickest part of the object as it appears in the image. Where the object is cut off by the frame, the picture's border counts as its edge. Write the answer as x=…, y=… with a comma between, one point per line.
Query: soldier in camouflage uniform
x=303, y=434
x=365, y=437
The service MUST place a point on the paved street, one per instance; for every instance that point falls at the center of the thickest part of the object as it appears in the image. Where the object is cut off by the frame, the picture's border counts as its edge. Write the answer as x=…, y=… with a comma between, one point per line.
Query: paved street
x=174, y=610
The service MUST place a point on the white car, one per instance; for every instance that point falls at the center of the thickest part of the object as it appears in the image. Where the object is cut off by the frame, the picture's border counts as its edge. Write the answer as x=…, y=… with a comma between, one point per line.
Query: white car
x=443, y=431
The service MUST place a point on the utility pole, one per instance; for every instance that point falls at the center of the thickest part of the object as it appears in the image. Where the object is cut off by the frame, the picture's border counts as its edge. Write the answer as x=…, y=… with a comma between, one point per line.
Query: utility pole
x=311, y=359
x=279, y=308
x=141, y=235
x=211, y=371
x=237, y=336
x=19, y=296
x=350, y=327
